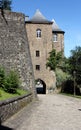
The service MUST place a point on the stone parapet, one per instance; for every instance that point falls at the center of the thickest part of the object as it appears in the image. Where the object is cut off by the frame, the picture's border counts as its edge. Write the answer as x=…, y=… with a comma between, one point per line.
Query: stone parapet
x=12, y=106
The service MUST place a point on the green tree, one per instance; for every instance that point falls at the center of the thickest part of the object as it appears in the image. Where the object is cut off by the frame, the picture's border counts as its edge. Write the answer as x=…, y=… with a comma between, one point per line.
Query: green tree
x=61, y=77
x=11, y=82
x=2, y=76
x=54, y=60
x=5, y=4
x=75, y=63
x=64, y=65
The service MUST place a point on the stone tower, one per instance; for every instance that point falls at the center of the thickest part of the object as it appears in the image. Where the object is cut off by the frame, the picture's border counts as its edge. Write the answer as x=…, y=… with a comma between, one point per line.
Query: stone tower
x=14, y=47
x=57, y=37
x=40, y=32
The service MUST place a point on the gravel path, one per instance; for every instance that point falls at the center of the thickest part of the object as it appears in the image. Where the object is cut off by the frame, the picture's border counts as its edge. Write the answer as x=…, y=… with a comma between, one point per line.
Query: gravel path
x=50, y=112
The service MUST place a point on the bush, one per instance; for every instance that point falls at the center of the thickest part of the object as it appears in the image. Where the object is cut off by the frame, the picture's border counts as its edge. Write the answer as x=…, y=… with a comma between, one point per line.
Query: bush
x=0, y=94
x=68, y=87
x=61, y=77
x=11, y=82
x=2, y=76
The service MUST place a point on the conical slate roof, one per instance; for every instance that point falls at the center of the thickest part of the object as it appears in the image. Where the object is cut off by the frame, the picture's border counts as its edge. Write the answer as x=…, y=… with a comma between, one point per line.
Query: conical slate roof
x=55, y=27
x=39, y=18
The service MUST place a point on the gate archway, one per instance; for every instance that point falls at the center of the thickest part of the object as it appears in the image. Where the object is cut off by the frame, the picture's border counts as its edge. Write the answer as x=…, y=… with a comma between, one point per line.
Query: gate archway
x=40, y=86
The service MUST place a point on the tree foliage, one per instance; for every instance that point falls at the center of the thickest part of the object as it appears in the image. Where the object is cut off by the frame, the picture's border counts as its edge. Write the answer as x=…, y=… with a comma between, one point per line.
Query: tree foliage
x=61, y=77
x=2, y=76
x=11, y=82
x=65, y=68
x=64, y=65
x=75, y=63
x=5, y=4
x=54, y=59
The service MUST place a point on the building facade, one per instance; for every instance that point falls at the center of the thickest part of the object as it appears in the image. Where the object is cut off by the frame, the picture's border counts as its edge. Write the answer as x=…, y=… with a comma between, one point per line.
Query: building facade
x=43, y=35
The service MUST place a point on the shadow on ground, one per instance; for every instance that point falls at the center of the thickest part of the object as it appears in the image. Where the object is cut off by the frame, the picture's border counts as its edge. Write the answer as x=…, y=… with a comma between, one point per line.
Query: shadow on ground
x=79, y=109
x=5, y=128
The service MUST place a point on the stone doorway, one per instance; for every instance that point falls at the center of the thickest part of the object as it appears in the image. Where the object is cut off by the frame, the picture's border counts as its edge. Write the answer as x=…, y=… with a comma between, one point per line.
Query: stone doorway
x=40, y=86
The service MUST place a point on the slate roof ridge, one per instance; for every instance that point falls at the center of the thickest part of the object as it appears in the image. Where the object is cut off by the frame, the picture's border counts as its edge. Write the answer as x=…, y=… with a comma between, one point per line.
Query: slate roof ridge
x=55, y=27
x=39, y=18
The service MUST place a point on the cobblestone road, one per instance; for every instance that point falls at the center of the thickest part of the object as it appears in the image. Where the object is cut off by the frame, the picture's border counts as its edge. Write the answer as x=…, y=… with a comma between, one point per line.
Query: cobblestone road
x=50, y=112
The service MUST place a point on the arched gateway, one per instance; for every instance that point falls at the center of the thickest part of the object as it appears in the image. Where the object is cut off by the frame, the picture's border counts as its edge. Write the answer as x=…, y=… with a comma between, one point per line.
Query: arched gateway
x=40, y=86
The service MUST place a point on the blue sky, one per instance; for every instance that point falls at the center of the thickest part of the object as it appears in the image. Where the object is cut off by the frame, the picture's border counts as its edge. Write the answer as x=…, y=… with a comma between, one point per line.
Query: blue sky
x=66, y=13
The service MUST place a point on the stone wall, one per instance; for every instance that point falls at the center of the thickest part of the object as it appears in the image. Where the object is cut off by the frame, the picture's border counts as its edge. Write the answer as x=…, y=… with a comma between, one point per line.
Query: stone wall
x=59, y=44
x=14, y=48
x=12, y=106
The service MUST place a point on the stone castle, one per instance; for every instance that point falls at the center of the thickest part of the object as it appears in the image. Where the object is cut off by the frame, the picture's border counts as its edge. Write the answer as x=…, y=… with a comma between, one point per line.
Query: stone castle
x=43, y=35
x=25, y=47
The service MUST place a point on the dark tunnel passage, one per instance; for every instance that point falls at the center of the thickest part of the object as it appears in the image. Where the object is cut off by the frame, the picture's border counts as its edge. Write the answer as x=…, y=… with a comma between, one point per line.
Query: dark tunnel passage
x=40, y=86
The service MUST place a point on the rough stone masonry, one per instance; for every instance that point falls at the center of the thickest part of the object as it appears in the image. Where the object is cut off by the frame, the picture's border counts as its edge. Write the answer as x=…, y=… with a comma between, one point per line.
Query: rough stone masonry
x=14, y=48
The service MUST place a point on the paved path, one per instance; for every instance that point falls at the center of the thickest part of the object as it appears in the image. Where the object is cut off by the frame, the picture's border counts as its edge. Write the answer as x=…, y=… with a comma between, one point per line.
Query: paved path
x=50, y=112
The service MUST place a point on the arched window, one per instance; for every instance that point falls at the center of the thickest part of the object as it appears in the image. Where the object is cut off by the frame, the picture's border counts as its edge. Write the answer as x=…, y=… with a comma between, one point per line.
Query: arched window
x=38, y=33
x=55, y=37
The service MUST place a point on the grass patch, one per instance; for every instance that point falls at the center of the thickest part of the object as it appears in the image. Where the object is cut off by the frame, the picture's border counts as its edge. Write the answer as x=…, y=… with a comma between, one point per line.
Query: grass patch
x=71, y=95
x=4, y=95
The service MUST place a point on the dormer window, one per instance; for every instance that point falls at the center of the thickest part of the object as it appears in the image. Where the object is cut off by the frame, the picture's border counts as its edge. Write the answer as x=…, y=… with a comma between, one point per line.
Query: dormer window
x=38, y=33
x=55, y=37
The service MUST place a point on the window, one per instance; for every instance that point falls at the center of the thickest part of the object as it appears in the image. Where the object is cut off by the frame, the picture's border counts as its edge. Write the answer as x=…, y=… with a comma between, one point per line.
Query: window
x=38, y=33
x=37, y=53
x=55, y=37
x=37, y=67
